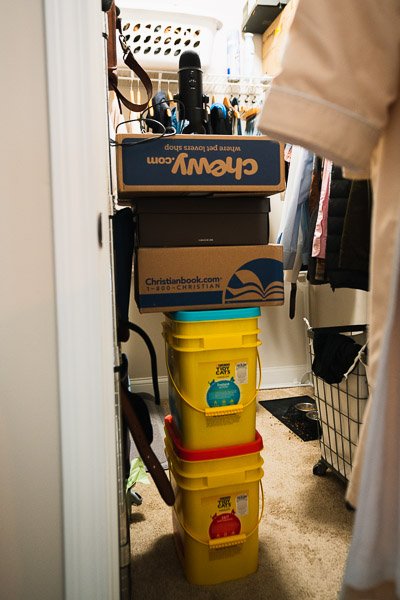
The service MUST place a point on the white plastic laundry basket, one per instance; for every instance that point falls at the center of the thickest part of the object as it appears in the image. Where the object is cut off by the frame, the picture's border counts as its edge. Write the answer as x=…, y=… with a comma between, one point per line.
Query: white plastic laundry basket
x=158, y=38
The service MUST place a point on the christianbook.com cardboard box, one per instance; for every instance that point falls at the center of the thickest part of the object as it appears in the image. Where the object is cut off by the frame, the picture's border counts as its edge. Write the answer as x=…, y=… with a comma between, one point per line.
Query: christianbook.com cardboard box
x=208, y=277
x=184, y=164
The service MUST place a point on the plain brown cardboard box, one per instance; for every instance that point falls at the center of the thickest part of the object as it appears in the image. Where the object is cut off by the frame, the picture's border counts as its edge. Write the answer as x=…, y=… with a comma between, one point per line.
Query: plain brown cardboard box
x=208, y=277
x=274, y=37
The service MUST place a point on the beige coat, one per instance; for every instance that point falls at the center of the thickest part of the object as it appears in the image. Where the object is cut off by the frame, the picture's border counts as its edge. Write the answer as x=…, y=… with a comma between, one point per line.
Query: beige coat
x=338, y=94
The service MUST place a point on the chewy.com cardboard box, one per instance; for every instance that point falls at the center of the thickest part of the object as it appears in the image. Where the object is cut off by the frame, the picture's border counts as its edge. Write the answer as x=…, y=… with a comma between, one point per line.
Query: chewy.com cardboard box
x=184, y=164
x=208, y=277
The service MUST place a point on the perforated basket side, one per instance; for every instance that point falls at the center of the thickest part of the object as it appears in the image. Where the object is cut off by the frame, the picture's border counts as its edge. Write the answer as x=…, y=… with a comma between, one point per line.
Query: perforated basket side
x=157, y=39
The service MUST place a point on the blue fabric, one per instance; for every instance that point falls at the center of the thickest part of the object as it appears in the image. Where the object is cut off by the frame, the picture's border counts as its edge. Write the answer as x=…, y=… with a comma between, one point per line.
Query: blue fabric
x=220, y=106
x=296, y=214
x=174, y=119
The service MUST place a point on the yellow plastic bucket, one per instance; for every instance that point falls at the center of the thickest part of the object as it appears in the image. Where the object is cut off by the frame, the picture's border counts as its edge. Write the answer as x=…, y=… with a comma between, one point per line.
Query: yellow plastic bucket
x=212, y=375
x=216, y=511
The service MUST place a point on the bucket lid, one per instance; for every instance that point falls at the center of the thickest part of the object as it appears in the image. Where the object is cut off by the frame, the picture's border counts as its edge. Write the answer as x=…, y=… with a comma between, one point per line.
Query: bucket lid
x=215, y=315
x=212, y=453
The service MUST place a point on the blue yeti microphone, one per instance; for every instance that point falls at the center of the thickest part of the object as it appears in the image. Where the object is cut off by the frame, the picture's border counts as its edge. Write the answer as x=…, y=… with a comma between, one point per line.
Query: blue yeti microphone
x=193, y=113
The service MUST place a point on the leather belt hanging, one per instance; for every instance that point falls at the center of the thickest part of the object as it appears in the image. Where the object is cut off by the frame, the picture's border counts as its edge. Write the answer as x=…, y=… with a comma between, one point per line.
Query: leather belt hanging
x=114, y=26
x=149, y=458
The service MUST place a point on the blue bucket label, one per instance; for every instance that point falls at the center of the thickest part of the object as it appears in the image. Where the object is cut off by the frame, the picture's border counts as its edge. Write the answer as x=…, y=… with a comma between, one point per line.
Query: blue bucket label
x=224, y=392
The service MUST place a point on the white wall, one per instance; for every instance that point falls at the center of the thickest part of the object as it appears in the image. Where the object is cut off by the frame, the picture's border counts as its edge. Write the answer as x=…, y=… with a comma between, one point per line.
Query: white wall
x=31, y=538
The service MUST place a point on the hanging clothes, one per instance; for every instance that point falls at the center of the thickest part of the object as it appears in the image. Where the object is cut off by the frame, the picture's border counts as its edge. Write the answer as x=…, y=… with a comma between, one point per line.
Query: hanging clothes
x=347, y=227
x=316, y=273
x=316, y=266
x=250, y=118
x=316, y=182
x=287, y=157
x=352, y=116
x=337, y=204
x=237, y=122
x=355, y=242
x=295, y=213
x=347, y=247
x=319, y=241
x=218, y=119
x=159, y=117
x=293, y=230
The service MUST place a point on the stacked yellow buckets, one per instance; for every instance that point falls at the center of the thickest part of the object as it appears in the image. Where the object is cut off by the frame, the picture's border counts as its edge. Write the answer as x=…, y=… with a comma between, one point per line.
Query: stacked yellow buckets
x=212, y=446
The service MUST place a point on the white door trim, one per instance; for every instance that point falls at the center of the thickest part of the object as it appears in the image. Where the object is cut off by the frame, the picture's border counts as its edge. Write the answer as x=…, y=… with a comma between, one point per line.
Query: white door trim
x=79, y=171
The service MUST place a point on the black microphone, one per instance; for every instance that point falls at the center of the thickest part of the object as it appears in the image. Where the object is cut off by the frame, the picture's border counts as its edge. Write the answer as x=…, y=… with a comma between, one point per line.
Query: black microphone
x=191, y=93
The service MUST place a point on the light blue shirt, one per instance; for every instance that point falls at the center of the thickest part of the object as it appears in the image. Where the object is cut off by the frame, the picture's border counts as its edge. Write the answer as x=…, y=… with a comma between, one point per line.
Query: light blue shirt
x=295, y=213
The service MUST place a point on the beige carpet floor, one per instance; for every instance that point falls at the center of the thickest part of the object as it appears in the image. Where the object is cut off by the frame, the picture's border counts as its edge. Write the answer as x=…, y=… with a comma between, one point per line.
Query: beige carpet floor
x=304, y=534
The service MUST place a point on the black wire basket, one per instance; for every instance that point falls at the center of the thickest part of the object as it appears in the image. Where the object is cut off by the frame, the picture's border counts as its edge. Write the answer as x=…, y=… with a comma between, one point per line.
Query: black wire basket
x=341, y=407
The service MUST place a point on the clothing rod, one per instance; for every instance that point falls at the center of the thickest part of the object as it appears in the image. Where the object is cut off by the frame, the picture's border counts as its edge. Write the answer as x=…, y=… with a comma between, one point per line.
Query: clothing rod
x=217, y=84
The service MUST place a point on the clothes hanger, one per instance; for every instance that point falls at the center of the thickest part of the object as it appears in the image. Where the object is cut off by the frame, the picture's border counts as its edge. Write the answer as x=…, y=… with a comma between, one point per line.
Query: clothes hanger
x=242, y=107
x=151, y=109
x=251, y=112
x=228, y=105
x=171, y=103
x=131, y=114
x=236, y=105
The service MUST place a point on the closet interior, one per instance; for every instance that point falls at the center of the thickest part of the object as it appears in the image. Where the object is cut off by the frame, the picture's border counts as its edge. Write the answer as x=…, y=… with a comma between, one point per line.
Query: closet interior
x=306, y=214
x=188, y=355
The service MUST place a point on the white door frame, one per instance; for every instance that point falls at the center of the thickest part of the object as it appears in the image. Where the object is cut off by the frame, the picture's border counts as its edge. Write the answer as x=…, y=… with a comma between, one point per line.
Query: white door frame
x=79, y=172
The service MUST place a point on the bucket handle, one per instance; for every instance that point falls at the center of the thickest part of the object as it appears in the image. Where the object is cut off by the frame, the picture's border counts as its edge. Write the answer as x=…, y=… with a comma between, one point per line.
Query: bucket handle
x=218, y=411
x=230, y=540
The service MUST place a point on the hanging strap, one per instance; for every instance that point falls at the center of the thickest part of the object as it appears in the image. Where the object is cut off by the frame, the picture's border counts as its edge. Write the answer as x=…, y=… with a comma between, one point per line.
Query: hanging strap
x=114, y=26
x=146, y=452
x=124, y=325
x=133, y=64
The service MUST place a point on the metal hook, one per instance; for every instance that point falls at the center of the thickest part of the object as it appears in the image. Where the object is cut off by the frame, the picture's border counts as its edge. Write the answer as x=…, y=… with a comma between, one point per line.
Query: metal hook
x=122, y=40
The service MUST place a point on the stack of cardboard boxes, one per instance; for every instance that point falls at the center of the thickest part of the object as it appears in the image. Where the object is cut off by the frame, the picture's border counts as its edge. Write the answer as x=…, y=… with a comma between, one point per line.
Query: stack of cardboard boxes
x=201, y=209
